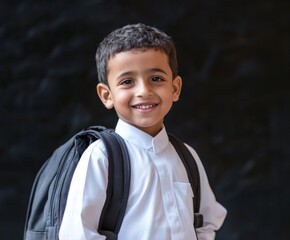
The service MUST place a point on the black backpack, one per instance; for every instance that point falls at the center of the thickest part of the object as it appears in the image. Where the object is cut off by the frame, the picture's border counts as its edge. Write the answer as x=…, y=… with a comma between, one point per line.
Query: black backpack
x=51, y=185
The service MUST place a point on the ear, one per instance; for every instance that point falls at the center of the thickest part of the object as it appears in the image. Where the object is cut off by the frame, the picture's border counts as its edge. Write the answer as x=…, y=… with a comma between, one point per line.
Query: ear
x=104, y=94
x=176, y=84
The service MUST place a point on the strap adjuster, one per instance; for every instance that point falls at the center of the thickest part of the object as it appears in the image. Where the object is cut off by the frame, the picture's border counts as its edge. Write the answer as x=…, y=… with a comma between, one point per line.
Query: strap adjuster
x=198, y=220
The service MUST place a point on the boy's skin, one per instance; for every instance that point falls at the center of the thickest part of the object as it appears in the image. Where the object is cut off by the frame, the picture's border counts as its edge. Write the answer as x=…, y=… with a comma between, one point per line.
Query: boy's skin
x=141, y=88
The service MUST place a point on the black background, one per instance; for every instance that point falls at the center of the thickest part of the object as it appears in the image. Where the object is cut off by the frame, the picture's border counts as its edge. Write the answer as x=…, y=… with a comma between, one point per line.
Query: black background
x=234, y=110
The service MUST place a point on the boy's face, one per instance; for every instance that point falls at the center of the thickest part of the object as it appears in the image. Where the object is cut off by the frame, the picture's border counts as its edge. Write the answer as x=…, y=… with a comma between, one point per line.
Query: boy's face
x=141, y=88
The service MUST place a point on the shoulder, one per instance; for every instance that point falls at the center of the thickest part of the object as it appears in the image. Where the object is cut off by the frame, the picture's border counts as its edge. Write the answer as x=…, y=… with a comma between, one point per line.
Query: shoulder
x=95, y=154
x=192, y=151
x=96, y=146
x=195, y=156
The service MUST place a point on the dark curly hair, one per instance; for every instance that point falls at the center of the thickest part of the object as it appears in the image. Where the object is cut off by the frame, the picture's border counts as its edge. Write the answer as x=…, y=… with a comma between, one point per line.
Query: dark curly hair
x=135, y=36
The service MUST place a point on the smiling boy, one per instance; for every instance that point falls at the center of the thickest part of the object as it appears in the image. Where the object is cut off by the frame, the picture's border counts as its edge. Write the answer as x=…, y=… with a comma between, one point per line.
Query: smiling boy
x=137, y=70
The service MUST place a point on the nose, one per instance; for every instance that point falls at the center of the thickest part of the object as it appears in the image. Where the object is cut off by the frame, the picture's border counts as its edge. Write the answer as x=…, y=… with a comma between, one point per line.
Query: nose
x=144, y=89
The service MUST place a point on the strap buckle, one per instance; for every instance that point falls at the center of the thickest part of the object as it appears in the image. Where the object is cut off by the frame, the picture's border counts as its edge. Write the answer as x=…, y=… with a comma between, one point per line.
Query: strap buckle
x=198, y=220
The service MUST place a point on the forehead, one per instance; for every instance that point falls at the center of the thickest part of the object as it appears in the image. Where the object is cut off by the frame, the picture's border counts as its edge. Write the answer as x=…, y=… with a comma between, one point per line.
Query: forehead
x=138, y=58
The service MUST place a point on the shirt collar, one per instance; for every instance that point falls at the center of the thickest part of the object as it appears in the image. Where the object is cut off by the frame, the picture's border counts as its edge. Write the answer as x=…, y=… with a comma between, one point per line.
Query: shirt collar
x=141, y=139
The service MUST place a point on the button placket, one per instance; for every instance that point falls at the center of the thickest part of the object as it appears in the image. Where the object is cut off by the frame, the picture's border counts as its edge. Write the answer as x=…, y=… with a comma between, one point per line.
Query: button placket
x=170, y=204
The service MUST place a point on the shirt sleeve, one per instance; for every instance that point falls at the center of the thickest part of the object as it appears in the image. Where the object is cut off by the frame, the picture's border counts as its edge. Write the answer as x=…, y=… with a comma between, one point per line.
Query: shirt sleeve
x=87, y=195
x=213, y=212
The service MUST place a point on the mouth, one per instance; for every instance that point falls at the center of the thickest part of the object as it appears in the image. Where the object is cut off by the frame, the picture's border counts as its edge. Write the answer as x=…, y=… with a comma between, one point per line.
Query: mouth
x=145, y=106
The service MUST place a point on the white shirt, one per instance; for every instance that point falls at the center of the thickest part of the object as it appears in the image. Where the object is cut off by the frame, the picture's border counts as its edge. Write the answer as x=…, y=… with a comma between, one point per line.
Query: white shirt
x=160, y=199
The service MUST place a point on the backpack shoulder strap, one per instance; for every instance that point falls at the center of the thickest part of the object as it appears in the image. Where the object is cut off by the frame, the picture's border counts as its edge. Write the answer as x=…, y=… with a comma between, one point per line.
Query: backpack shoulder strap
x=119, y=173
x=193, y=175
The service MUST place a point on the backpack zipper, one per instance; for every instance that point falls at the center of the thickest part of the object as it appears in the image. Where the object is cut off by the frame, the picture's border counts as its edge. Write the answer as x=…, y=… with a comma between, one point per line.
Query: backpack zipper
x=56, y=185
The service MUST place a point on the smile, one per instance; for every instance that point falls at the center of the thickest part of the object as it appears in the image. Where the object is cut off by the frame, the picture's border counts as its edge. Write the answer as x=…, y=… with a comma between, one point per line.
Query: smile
x=145, y=106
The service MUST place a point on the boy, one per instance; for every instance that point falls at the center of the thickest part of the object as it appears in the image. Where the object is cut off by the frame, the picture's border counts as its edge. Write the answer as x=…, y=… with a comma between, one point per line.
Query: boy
x=137, y=71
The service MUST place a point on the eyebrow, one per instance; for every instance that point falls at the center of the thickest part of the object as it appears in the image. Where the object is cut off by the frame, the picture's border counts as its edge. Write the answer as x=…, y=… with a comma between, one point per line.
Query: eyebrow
x=157, y=70
x=151, y=70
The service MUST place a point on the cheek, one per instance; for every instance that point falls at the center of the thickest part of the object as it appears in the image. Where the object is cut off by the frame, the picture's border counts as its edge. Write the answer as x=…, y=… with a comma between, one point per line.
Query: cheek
x=168, y=94
x=121, y=97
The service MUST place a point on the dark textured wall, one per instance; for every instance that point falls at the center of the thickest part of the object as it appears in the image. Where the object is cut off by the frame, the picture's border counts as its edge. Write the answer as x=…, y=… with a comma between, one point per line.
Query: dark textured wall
x=234, y=60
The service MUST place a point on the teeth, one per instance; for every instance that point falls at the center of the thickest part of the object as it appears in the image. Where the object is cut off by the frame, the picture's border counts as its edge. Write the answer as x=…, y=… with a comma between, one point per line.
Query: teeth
x=144, y=106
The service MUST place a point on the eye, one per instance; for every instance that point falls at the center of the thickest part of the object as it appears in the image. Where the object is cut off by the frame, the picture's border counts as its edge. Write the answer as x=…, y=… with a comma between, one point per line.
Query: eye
x=157, y=79
x=126, y=82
